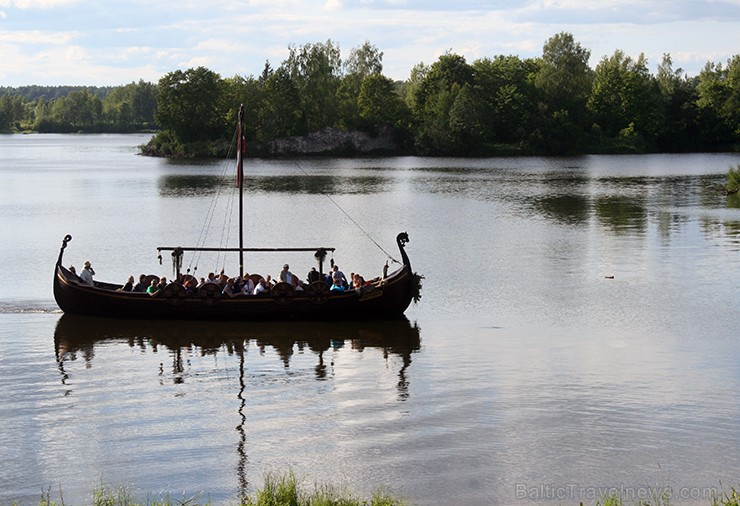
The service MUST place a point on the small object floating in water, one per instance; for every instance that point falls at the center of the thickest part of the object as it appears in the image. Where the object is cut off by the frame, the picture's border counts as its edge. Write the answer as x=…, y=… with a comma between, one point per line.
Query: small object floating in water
x=609, y=277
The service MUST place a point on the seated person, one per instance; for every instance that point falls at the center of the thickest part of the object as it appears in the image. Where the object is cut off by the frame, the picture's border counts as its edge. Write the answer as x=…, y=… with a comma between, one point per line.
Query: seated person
x=87, y=274
x=298, y=284
x=357, y=281
x=247, y=285
x=285, y=275
x=129, y=286
x=230, y=290
x=337, y=286
x=141, y=285
x=313, y=276
x=261, y=287
x=336, y=274
x=154, y=288
x=190, y=285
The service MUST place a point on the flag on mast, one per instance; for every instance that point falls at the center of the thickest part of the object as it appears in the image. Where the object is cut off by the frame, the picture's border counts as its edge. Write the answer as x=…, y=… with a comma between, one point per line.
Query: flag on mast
x=241, y=149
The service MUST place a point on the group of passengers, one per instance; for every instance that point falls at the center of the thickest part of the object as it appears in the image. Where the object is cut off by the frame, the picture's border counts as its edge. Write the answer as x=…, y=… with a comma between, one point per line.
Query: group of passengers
x=235, y=286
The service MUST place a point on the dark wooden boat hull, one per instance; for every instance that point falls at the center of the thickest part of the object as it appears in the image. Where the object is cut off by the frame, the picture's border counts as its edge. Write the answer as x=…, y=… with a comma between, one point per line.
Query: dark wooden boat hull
x=389, y=299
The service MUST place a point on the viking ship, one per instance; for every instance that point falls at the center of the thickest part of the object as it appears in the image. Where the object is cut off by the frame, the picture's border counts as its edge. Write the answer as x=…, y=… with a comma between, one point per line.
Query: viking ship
x=384, y=297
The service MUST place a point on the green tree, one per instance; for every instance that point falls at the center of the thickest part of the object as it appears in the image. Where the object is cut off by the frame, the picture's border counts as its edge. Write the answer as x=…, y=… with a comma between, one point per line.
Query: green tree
x=363, y=61
x=190, y=104
x=41, y=113
x=564, y=79
x=466, y=121
x=281, y=113
x=433, y=100
x=413, y=83
x=380, y=105
x=246, y=91
x=316, y=70
x=78, y=111
x=117, y=108
x=718, y=100
x=624, y=95
x=6, y=118
x=448, y=71
x=508, y=97
x=144, y=103
x=564, y=74
x=12, y=112
x=679, y=130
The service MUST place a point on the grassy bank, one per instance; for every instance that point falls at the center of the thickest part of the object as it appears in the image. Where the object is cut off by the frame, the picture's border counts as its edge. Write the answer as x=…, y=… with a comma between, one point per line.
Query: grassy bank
x=278, y=490
x=284, y=490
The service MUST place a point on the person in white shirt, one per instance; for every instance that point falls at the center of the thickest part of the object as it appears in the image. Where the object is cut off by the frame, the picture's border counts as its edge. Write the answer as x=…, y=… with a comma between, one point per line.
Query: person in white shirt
x=87, y=274
x=285, y=275
x=261, y=287
x=338, y=276
x=248, y=287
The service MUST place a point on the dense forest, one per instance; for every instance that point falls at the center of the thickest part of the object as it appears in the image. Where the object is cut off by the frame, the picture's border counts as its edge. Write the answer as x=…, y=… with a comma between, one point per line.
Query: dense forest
x=88, y=109
x=552, y=104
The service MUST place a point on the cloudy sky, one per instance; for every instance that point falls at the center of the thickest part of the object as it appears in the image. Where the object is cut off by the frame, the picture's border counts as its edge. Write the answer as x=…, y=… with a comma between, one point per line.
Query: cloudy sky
x=111, y=42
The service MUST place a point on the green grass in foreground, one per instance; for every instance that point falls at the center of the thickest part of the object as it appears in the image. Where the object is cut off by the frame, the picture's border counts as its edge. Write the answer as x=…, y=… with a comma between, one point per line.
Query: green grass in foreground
x=283, y=490
x=733, y=180
x=278, y=490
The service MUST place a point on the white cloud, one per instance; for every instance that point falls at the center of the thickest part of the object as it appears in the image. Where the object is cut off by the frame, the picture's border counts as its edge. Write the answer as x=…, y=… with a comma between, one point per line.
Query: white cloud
x=216, y=45
x=134, y=38
x=37, y=37
x=200, y=61
x=36, y=4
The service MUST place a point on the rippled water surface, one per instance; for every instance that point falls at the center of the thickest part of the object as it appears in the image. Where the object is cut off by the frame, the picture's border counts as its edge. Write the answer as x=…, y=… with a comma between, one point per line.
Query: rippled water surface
x=577, y=332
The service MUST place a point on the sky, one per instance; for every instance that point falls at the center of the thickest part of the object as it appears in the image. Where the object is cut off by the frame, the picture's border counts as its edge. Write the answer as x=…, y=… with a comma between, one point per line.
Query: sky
x=115, y=42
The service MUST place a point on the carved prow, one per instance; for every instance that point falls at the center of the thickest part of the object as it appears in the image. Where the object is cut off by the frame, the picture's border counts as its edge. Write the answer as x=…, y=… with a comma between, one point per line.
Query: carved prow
x=67, y=238
x=401, y=240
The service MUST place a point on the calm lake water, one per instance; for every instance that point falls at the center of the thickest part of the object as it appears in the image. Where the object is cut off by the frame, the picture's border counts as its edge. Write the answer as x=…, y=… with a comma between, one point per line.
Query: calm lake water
x=577, y=332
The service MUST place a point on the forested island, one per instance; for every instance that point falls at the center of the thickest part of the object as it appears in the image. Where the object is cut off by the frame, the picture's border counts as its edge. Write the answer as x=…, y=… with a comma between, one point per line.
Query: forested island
x=317, y=102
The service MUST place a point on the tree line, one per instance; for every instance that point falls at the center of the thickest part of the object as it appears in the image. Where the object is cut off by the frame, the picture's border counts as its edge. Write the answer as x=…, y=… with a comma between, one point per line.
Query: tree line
x=90, y=109
x=552, y=104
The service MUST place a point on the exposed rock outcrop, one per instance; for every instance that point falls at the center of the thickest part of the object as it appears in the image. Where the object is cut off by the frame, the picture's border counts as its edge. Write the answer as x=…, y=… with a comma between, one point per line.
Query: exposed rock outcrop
x=332, y=141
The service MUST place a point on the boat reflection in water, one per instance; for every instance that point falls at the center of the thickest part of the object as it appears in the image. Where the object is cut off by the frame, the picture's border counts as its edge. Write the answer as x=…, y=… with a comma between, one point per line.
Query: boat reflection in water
x=76, y=333
x=77, y=337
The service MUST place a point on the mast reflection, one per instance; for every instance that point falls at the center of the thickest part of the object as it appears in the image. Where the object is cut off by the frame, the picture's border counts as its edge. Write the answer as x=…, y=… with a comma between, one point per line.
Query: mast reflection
x=77, y=337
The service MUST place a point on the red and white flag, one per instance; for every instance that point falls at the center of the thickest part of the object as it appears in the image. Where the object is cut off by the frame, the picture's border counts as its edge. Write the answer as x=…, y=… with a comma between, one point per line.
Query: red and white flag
x=241, y=149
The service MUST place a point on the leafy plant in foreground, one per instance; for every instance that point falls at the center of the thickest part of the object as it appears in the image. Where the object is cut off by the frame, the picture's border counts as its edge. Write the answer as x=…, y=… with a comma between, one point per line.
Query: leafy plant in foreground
x=733, y=180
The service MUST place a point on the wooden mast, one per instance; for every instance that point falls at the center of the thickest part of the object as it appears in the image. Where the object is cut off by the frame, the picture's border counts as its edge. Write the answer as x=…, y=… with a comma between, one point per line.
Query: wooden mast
x=240, y=175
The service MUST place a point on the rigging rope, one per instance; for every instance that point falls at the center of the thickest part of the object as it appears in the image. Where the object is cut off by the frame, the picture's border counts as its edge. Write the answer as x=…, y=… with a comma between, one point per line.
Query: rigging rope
x=350, y=218
x=226, y=228
x=211, y=213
